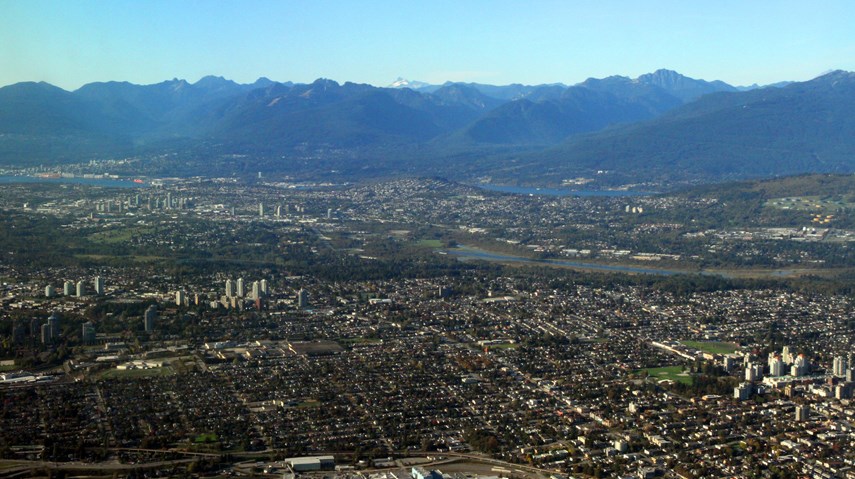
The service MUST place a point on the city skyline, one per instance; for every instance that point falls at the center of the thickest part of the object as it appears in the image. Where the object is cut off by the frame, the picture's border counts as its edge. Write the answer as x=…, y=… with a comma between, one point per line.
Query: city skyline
x=71, y=44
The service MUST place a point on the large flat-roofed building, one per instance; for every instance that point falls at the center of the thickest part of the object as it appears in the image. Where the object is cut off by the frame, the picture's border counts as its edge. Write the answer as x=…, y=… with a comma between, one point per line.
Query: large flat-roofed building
x=419, y=472
x=311, y=463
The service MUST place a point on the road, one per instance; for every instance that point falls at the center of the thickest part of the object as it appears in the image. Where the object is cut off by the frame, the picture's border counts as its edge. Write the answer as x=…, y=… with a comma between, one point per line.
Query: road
x=19, y=468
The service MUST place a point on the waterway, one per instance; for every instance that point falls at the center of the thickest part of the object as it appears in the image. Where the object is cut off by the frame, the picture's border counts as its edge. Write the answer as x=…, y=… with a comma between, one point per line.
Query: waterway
x=534, y=191
x=105, y=182
x=470, y=253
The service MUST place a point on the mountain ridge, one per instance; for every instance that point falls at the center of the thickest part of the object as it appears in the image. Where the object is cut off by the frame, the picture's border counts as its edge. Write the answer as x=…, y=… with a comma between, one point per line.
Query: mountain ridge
x=598, y=124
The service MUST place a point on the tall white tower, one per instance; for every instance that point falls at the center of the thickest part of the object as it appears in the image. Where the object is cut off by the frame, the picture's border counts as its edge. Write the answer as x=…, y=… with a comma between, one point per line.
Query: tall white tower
x=98, y=282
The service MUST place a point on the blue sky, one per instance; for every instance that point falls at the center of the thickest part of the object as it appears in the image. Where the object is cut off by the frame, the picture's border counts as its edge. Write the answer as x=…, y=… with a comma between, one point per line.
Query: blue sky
x=70, y=43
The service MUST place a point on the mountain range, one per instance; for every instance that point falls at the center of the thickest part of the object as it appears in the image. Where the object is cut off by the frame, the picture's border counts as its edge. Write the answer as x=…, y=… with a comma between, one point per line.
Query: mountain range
x=659, y=126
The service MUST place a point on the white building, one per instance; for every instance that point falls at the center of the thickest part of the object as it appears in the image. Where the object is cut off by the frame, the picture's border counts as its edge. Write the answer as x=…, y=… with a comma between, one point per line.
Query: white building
x=839, y=366
x=776, y=365
x=800, y=366
x=98, y=282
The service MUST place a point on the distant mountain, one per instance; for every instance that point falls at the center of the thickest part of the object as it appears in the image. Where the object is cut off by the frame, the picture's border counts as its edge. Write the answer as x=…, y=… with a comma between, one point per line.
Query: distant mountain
x=551, y=113
x=514, y=91
x=803, y=127
x=39, y=108
x=462, y=94
x=322, y=113
x=577, y=110
x=40, y=123
x=661, y=125
x=685, y=88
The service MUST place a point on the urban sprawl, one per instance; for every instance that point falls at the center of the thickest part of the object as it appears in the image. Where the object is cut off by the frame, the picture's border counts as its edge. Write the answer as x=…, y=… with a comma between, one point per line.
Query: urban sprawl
x=268, y=328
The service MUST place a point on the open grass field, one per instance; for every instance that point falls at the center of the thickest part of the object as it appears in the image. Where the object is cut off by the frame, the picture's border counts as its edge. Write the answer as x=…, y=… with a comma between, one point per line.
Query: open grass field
x=712, y=347
x=673, y=373
x=430, y=243
x=208, y=437
x=119, y=235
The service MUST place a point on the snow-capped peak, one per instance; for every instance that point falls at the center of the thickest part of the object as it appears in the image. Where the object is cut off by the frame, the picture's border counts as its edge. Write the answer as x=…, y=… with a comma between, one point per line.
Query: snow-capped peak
x=404, y=83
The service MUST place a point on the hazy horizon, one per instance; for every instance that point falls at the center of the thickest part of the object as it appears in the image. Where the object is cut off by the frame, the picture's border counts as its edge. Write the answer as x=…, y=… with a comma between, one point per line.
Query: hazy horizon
x=389, y=83
x=69, y=44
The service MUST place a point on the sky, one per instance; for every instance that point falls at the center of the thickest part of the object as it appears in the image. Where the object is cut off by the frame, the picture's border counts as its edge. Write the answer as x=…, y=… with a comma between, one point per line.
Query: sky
x=71, y=43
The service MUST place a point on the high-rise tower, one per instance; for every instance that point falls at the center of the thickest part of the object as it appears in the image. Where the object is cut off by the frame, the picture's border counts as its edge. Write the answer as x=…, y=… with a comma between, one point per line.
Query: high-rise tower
x=150, y=317
x=98, y=282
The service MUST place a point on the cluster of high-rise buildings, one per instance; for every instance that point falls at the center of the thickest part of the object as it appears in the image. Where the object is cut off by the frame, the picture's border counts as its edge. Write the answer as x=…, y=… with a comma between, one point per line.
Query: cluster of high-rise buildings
x=167, y=200
x=48, y=332
x=237, y=289
x=151, y=202
x=78, y=289
x=237, y=294
x=788, y=366
x=788, y=363
x=284, y=210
